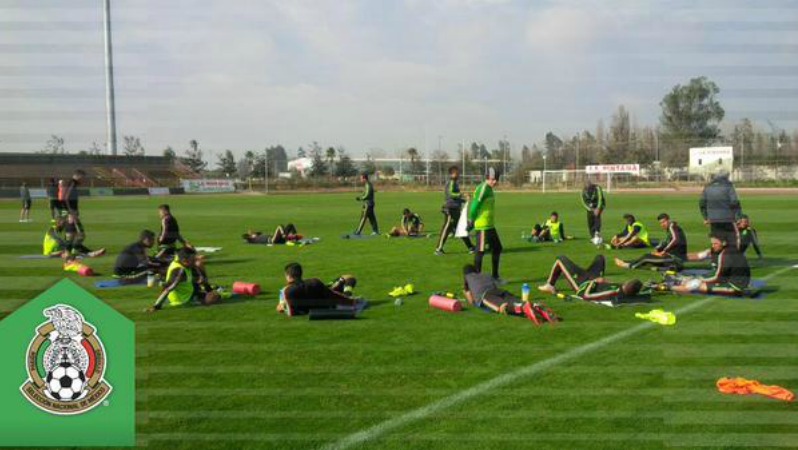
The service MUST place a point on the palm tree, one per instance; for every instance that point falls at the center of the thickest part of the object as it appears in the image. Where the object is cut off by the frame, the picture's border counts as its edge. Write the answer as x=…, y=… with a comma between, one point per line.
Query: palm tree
x=413, y=154
x=330, y=159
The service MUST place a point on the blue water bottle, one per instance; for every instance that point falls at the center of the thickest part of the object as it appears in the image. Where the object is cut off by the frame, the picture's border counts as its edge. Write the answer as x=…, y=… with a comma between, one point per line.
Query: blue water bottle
x=525, y=292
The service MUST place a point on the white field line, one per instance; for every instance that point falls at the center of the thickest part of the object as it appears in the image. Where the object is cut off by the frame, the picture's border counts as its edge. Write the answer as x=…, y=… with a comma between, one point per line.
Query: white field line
x=423, y=412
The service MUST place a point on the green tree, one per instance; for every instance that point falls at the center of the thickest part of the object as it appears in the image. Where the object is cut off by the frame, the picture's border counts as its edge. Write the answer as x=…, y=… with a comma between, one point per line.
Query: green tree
x=169, y=153
x=345, y=168
x=95, y=149
x=132, y=146
x=415, y=161
x=690, y=117
x=330, y=159
x=619, y=139
x=227, y=163
x=319, y=166
x=54, y=146
x=194, y=157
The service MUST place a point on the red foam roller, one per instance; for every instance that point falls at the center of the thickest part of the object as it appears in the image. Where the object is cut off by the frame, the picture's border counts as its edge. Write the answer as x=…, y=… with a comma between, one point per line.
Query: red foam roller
x=243, y=288
x=445, y=303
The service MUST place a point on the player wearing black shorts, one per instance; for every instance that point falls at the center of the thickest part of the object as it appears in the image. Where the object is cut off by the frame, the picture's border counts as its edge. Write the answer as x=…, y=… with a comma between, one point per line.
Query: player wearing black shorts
x=671, y=253
x=589, y=283
x=52, y=197
x=300, y=296
x=24, y=194
x=731, y=276
x=169, y=235
x=411, y=225
x=748, y=236
x=481, y=218
x=451, y=210
x=71, y=192
x=76, y=236
x=282, y=234
x=134, y=264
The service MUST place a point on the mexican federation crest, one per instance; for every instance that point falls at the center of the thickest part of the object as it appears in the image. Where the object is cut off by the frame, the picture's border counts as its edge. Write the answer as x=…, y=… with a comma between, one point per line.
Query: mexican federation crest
x=66, y=364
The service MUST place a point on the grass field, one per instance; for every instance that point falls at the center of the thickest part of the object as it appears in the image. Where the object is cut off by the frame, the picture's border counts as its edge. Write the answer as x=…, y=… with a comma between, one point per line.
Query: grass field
x=240, y=375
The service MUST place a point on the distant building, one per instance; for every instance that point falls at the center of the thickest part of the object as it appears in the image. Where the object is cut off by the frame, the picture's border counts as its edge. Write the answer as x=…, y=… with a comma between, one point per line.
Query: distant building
x=301, y=166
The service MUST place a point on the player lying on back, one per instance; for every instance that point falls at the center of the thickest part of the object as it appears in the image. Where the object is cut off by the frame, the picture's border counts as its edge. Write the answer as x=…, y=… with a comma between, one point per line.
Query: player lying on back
x=169, y=235
x=551, y=231
x=483, y=291
x=633, y=235
x=671, y=253
x=411, y=225
x=731, y=276
x=299, y=296
x=748, y=236
x=589, y=283
x=186, y=283
x=282, y=234
x=134, y=264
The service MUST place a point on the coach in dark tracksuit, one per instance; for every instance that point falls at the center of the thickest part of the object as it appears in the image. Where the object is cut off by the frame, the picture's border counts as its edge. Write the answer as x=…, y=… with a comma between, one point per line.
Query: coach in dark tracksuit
x=721, y=209
x=451, y=211
x=594, y=202
x=368, y=207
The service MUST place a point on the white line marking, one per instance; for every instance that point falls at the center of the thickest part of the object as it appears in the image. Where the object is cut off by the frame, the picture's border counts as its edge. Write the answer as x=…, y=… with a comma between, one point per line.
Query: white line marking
x=380, y=429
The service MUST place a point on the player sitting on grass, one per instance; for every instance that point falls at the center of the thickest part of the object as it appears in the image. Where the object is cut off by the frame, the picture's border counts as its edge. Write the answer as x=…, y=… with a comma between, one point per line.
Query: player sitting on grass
x=299, y=296
x=731, y=276
x=169, y=235
x=76, y=235
x=589, y=283
x=133, y=265
x=671, y=253
x=748, y=236
x=186, y=283
x=482, y=290
x=411, y=225
x=633, y=235
x=55, y=244
x=551, y=231
x=282, y=234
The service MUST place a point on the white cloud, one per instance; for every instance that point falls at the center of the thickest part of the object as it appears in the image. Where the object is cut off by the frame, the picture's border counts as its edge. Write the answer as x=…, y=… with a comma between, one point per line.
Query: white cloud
x=562, y=29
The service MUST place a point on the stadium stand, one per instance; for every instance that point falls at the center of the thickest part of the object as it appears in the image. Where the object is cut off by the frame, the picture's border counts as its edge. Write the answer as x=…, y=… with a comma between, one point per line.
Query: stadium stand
x=36, y=169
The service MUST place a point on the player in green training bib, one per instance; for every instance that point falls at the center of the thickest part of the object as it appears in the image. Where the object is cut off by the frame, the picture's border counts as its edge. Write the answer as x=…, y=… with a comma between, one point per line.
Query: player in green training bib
x=481, y=219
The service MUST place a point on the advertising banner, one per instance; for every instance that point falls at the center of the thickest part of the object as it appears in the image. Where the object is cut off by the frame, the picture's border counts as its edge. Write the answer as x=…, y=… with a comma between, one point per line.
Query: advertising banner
x=208, y=186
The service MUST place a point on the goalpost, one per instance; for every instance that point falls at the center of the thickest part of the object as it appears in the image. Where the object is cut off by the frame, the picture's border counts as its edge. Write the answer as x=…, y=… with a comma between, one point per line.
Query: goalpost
x=574, y=179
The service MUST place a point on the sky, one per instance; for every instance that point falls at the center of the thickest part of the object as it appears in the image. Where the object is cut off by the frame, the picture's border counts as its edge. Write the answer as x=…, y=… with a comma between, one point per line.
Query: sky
x=381, y=75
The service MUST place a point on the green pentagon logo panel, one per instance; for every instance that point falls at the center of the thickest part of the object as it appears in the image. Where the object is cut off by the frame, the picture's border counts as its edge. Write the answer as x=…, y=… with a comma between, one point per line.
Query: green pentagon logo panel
x=69, y=368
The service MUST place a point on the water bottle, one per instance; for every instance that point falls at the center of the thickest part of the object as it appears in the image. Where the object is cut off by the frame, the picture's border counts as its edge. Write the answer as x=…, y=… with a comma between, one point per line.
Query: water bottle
x=525, y=292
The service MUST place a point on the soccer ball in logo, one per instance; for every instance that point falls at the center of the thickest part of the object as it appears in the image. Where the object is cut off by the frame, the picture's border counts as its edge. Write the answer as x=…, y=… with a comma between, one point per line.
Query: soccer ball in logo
x=66, y=382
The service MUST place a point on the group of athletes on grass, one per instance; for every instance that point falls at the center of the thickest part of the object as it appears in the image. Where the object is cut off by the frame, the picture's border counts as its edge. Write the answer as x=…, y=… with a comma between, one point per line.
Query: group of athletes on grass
x=185, y=280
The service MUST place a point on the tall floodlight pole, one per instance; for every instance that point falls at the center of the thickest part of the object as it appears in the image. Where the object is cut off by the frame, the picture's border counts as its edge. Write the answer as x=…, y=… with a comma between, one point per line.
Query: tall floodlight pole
x=110, y=109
